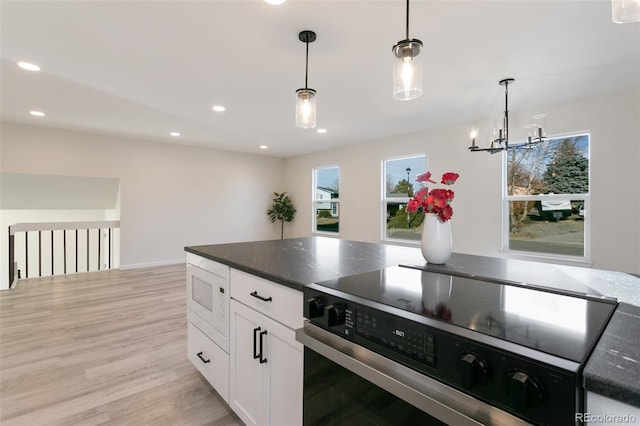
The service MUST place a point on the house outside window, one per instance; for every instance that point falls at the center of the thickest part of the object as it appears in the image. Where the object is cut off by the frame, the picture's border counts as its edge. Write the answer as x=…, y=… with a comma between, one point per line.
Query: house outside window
x=326, y=199
x=398, y=186
x=546, y=199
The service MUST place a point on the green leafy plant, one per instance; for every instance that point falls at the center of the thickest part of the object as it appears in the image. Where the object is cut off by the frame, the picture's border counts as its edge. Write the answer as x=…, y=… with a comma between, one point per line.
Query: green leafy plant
x=282, y=210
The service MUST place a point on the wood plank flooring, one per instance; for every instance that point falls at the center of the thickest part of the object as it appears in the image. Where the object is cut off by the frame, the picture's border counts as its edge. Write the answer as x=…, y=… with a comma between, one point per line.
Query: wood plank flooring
x=105, y=348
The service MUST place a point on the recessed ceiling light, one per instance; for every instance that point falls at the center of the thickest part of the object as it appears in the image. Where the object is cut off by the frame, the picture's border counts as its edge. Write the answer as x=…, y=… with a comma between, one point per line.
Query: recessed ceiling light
x=28, y=66
x=219, y=108
x=176, y=134
x=274, y=1
x=37, y=113
x=322, y=130
x=263, y=147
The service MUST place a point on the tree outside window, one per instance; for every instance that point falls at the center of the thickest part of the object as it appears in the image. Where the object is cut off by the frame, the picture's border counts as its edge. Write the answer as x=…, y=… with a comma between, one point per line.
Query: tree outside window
x=546, y=196
x=399, y=187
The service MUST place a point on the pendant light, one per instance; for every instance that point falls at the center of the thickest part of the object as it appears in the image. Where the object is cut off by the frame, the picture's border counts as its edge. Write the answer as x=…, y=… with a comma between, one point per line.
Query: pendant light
x=407, y=67
x=306, y=98
x=625, y=11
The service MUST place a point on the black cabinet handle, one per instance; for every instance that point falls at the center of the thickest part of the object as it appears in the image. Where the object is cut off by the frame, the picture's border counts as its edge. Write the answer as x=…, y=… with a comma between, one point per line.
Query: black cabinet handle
x=199, y=354
x=262, y=360
x=255, y=354
x=257, y=296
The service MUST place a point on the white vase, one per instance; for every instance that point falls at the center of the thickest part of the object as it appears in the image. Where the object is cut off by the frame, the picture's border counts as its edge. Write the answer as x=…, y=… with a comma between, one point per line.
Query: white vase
x=436, y=239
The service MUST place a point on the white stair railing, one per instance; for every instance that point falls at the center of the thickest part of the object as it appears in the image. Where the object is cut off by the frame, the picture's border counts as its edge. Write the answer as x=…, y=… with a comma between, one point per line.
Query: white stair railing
x=58, y=248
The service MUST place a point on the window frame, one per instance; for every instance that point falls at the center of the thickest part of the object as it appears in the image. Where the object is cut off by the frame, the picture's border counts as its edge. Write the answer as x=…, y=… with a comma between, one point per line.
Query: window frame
x=384, y=200
x=584, y=197
x=334, y=203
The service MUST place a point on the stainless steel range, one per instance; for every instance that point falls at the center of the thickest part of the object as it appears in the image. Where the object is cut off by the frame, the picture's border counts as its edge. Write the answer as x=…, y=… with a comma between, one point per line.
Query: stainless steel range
x=463, y=350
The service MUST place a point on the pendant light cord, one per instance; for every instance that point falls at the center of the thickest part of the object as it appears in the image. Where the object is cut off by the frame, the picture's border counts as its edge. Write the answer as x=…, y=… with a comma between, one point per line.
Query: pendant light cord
x=407, y=19
x=306, y=67
x=506, y=112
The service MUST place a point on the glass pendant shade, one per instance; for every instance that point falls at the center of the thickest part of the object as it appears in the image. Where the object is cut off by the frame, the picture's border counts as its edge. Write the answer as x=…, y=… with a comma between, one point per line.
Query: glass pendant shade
x=407, y=69
x=625, y=11
x=306, y=108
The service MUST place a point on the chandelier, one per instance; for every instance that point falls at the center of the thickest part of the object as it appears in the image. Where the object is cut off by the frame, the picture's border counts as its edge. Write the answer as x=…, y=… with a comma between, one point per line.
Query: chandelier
x=499, y=140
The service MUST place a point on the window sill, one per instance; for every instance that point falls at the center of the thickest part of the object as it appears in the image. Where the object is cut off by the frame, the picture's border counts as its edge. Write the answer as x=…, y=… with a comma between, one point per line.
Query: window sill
x=561, y=260
x=325, y=234
x=396, y=242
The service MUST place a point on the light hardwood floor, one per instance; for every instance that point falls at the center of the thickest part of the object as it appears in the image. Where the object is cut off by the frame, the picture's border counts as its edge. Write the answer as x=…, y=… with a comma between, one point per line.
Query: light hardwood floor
x=102, y=348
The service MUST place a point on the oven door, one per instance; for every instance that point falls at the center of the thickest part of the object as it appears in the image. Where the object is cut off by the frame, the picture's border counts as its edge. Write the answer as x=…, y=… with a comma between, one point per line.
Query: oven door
x=345, y=383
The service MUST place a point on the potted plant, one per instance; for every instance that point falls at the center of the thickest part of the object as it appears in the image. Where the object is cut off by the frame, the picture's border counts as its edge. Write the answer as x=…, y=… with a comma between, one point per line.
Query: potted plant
x=282, y=210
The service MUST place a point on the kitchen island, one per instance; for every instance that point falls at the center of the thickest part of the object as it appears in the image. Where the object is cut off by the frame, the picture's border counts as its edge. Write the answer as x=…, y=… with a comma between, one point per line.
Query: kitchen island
x=613, y=371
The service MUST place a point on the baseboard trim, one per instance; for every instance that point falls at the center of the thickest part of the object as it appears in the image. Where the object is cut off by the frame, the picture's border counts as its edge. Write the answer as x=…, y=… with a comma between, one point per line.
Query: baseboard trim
x=152, y=264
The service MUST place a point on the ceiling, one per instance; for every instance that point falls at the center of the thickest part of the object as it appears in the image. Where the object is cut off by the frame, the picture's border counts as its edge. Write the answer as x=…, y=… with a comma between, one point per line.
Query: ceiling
x=146, y=68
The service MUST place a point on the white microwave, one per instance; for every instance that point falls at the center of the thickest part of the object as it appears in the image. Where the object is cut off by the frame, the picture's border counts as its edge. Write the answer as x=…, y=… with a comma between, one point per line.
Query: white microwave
x=208, y=298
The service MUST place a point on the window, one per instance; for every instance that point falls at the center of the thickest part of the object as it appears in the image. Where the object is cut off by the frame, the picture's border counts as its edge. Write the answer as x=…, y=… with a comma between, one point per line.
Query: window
x=547, y=197
x=399, y=185
x=326, y=199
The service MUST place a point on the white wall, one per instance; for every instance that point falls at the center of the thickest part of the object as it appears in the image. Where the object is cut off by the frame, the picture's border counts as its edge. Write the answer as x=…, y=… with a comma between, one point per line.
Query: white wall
x=174, y=195
x=613, y=121
x=171, y=196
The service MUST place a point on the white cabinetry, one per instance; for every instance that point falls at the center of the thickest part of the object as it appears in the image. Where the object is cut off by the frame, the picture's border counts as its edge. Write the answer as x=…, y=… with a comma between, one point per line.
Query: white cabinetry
x=266, y=365
x=208, y=320
x=211, y=361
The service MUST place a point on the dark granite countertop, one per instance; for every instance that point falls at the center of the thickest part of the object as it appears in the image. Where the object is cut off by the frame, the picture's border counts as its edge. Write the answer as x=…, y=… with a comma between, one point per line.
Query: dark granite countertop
x=570, y=279
x=299, y=261
x=614, y=368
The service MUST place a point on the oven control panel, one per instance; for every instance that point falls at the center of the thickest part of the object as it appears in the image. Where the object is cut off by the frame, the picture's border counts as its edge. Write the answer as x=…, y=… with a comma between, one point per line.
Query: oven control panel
x=401, y=337
x=536, y=392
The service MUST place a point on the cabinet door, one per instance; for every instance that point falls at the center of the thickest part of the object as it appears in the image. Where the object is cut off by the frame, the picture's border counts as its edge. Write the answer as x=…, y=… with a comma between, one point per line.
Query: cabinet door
x=247, y=379
x=266, y=369
x=286, y=370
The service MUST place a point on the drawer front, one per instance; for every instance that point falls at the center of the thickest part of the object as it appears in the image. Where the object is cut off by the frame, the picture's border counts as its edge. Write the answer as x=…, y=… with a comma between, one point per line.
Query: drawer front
x=274, y=300
x=208, y=265
x=210, y=360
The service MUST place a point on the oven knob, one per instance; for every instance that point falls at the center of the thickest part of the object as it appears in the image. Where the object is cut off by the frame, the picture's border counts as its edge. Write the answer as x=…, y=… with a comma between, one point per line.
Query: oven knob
x=523, y=390
x=335, y=314
x=315, y=307
x=472, y=370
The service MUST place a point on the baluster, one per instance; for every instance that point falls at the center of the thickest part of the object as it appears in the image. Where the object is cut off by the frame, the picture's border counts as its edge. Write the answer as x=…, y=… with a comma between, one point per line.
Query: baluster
x=99, y=231
x=26, y=254
x=39, y=253
x=87, y=250
x=64, y=243
x=11, y=257
x=109, y=248
x=52, y=252
x=76, y=251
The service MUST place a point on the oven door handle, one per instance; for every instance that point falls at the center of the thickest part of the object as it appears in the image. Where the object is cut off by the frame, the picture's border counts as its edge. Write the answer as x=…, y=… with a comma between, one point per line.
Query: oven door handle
x=429, y=395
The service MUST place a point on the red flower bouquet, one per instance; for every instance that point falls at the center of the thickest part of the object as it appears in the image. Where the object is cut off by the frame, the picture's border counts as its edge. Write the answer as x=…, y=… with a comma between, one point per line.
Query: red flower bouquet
x=438, y=200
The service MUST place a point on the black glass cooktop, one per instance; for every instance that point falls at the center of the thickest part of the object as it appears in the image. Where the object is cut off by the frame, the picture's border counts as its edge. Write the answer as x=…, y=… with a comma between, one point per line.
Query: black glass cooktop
x=563, y=325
